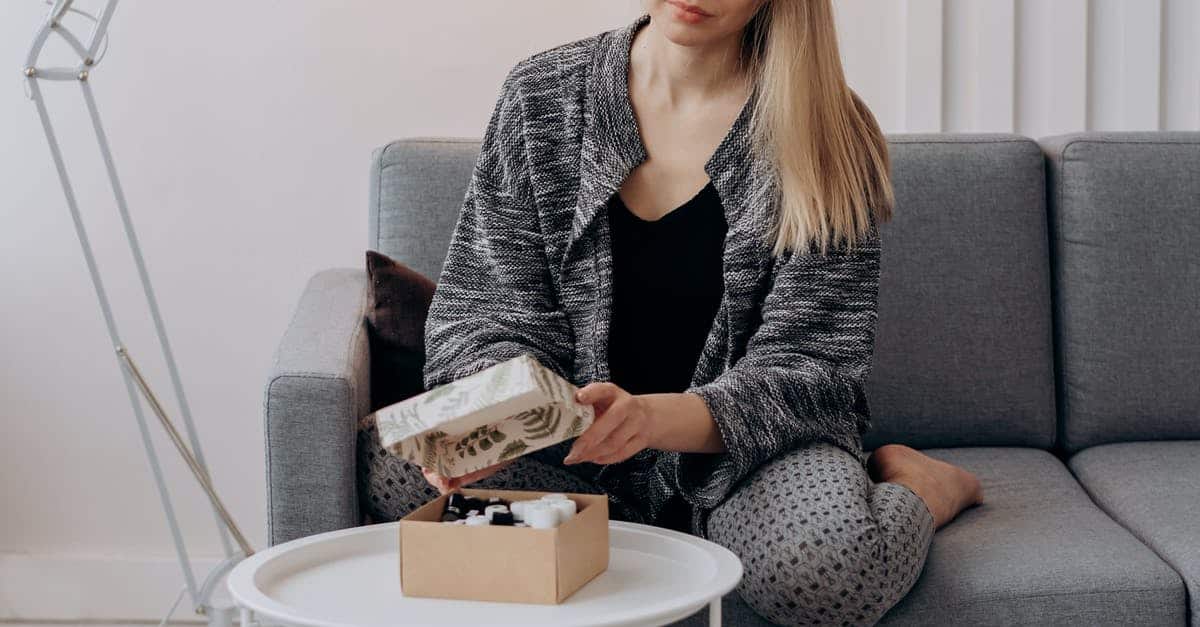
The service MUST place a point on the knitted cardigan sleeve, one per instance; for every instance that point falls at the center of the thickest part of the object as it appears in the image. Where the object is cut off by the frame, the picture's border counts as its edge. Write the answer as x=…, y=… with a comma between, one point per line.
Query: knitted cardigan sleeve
x=802, y=376
x=494, y=299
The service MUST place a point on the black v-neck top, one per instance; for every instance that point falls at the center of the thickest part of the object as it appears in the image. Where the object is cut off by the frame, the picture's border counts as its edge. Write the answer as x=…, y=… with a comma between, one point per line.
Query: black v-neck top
x=667, y=287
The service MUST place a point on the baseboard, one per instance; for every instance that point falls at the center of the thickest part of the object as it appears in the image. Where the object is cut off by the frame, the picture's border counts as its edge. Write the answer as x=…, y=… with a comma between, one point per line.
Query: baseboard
x=94, y=588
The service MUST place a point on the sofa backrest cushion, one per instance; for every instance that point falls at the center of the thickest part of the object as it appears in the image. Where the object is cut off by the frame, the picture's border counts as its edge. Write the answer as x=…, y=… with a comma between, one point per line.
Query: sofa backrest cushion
x=963, y=353
x=1125, y=224
x=417, y=190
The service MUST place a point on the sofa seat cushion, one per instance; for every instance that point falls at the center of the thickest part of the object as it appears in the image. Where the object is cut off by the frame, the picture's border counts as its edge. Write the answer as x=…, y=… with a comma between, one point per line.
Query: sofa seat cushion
x=1038, y=551
x=1153, y=488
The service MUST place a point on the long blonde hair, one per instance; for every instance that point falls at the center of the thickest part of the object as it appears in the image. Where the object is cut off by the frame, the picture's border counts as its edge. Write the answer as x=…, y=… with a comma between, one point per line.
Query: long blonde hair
x=829, y=153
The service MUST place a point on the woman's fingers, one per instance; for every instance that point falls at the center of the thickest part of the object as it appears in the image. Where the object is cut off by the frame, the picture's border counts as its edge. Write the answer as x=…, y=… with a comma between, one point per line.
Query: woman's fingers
x=599, y=394
x=627, y=450
x=440, y=483
x=605, y=424
x=618, y=446
x=613, y=442
x=602, y=396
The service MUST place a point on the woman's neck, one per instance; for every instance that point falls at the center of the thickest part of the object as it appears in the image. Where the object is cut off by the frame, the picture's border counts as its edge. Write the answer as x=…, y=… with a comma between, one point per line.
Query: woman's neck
x=685, y=74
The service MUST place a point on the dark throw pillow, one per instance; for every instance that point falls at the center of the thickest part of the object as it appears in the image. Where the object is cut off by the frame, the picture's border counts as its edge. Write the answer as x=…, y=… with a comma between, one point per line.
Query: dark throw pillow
x=399, y=301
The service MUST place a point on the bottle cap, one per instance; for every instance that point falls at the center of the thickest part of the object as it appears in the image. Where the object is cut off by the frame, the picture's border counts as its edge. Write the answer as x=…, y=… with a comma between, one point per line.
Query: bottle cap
x=541, y=516
x=518, y=508
x=566, y=508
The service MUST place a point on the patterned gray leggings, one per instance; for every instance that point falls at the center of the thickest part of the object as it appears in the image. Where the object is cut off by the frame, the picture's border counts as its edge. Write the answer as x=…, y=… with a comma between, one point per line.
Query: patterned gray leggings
x=820, y=542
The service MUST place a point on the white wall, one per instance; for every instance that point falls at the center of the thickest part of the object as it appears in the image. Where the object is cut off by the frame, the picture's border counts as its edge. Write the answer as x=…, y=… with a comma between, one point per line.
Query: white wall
x=243, y=130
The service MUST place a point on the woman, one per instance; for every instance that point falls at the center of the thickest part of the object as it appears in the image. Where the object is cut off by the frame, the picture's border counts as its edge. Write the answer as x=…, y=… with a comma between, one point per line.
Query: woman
x=724, y=335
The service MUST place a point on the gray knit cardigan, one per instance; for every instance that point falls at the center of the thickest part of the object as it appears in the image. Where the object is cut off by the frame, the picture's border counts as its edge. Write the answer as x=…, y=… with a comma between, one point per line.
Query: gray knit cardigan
x=529, y=269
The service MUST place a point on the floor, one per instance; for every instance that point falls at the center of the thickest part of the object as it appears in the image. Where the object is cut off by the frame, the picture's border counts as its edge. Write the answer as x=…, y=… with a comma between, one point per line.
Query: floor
x=4, y=623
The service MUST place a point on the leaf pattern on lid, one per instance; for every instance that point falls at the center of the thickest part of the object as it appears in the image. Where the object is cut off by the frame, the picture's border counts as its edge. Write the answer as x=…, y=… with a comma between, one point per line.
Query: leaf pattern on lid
x=410, y=430
x=516, y=448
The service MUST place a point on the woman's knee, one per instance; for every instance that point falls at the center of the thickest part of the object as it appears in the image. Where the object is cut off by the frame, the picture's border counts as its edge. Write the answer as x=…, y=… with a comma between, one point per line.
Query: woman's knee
x=817, y=575
x=811, y=547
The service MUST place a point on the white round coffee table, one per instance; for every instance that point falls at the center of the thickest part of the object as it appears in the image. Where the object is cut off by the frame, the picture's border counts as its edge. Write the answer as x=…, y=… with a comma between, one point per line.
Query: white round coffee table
x=352, y=577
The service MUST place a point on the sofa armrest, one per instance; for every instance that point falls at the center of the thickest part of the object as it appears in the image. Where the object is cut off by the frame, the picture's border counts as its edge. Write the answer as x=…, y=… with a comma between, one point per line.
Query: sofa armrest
x=317, y=390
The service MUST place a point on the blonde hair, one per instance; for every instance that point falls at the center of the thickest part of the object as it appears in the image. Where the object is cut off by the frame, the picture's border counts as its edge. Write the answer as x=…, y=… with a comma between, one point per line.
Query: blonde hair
x=830, y=156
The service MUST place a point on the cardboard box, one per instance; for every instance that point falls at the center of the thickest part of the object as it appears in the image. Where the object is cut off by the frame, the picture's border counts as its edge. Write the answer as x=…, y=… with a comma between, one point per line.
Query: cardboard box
x=499, y=413
x=506, y=564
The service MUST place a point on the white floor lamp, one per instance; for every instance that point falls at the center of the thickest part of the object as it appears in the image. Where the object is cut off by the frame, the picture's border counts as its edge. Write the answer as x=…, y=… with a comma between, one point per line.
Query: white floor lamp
x=201, y=592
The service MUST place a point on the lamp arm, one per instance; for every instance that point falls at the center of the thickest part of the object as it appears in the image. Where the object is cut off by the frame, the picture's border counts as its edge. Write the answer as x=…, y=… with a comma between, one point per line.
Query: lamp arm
x=197, y=470
x=134, y=380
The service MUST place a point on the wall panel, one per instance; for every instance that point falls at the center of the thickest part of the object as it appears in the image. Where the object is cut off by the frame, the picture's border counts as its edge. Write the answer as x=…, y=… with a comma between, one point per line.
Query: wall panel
x=1052, y=66
x=922, y=54
x=1181, y=65
x=1036, y=67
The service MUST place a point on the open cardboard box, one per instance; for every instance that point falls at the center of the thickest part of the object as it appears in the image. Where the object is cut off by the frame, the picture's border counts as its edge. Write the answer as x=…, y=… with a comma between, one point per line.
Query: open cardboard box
x=506, y=564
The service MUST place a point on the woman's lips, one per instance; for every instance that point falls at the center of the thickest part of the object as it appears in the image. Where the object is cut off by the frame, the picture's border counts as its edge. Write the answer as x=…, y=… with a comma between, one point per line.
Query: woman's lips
x=688, y=13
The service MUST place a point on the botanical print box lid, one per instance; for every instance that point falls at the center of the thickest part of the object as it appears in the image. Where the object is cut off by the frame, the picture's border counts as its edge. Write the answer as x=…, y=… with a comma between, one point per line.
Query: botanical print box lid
x=504, y=411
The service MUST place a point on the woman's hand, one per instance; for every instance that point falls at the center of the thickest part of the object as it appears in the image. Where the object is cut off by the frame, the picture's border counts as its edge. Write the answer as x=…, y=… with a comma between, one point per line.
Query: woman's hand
x=622, y=427
x=446, y=485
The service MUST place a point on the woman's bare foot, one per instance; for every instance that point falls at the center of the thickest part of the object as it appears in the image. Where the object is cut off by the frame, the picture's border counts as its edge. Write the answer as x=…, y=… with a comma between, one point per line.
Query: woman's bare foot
x=945, y=488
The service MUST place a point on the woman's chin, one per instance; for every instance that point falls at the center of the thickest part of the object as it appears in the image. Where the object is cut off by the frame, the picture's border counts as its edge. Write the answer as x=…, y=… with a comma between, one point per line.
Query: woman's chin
x=687, y=34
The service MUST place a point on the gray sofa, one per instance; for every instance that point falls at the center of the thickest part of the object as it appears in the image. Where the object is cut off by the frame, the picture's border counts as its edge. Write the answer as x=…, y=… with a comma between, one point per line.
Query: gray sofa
x=1039, y=324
